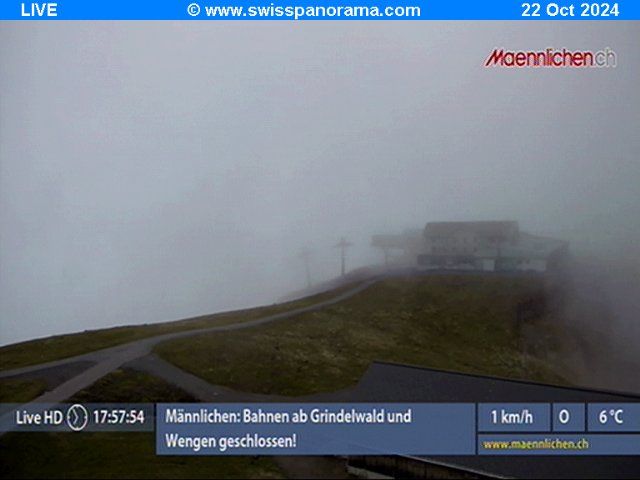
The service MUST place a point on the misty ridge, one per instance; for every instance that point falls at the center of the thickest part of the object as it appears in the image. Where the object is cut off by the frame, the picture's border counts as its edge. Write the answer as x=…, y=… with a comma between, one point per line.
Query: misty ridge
x=156, y=172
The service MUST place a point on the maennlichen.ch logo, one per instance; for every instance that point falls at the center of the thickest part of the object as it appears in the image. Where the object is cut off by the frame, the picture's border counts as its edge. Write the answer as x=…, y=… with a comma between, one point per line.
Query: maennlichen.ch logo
x=552, y=58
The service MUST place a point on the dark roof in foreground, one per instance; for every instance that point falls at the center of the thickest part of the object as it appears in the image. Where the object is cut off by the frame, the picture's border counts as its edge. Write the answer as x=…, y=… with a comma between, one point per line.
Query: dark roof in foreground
x=393, y=382
x=388, y=382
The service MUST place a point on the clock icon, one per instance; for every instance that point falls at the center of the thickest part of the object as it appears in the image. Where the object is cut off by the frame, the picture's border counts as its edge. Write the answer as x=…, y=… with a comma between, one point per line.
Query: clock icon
x=77, y=417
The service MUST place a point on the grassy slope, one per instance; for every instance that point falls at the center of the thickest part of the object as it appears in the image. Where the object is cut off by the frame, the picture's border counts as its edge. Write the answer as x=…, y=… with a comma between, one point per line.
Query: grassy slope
x=20, y=390
x=462, y=323
x=63, y=346
x=118, y=455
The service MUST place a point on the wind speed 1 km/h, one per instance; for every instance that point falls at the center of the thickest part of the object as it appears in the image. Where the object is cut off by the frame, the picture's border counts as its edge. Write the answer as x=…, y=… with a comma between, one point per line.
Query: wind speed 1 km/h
x=568, y=10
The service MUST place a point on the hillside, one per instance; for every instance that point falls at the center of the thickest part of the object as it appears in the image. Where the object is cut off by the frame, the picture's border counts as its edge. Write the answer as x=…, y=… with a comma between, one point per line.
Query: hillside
x=465, y=323
x=63, y=346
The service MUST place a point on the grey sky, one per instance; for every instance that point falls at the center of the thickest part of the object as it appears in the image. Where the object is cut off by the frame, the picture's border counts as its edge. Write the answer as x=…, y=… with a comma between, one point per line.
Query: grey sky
x=153, y=171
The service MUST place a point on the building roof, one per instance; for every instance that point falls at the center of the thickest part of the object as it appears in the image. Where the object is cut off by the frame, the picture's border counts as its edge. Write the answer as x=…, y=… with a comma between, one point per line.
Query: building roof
x=486, y=229
x=394, y=382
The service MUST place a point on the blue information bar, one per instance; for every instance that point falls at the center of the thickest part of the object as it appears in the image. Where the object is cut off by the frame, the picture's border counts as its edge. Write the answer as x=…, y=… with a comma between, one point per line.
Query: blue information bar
x=320, y=10
x=350, y=428
x=316, y=429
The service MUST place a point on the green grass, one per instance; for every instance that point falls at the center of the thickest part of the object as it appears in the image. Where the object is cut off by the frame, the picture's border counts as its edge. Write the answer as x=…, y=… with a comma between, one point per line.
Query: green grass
x=463, y=323
x=132, y=386
x=20, y=391
x=118, y=454
x=64, y=346
x=123, y=385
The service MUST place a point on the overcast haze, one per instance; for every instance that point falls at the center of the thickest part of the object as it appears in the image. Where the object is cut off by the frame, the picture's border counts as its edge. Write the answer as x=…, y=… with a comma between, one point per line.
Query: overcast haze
x=154, y=171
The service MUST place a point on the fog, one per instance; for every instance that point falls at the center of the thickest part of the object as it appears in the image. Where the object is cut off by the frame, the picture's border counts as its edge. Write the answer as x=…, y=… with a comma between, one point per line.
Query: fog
x=155, y=171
